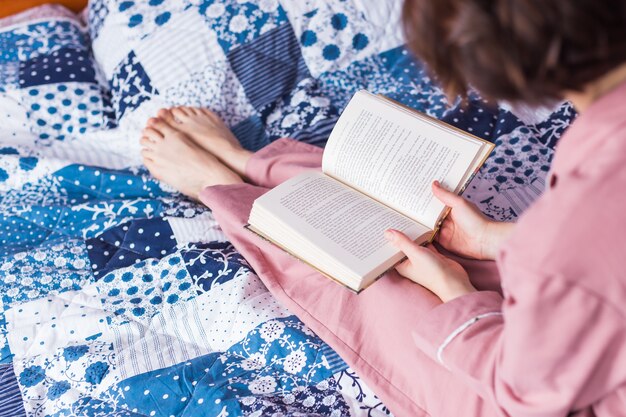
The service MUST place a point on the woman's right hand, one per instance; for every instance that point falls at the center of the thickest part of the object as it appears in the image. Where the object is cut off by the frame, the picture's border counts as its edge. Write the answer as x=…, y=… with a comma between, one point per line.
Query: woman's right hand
x=466, y=231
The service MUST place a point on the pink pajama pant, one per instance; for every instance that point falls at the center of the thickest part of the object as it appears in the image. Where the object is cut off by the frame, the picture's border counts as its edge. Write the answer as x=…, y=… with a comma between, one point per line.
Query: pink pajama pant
x=371, y=331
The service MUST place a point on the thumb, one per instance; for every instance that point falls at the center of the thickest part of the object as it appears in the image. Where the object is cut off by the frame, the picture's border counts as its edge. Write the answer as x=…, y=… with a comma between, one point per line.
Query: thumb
x=448, y=198
x=402, y=242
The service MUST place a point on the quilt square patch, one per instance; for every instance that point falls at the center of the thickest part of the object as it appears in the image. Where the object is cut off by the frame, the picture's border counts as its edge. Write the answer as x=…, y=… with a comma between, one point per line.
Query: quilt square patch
x=305, y=114
x=215, y=87
x=274, y=56
x=55, y=381
x=9, y=76
x=412, y=86
x=130, y=86
x=11, y=403
x=67, y=110
x=9, y=46
x=239, y=22
x=63, y=65
x=213, y=263
x=196, y=228
x=97, y=12
x=55, y=268
x=142, y=18
x=42, y=38
x=176, y=333
x=251, y=133
x=5, y=350
x=321, y=399
x=173, y=54
x=41, y=326
x=167, y=391
x=333, y=36
x=139, y=292
x=130, y=243
x=22, y=165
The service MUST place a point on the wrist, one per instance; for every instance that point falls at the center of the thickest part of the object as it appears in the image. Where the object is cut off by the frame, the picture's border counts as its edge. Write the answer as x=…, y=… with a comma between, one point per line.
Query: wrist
x=455, y=290
x=495, y=234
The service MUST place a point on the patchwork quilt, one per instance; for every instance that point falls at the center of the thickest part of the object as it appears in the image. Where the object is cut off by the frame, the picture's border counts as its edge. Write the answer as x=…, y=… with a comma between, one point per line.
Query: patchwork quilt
x=119, y=297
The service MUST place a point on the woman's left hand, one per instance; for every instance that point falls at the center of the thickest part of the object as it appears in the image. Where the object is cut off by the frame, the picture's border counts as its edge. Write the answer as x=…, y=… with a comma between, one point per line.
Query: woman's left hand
x=426, y=266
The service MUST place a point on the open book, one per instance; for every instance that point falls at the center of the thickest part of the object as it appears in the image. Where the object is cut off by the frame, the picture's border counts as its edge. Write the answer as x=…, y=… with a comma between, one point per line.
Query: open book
x=377, y=170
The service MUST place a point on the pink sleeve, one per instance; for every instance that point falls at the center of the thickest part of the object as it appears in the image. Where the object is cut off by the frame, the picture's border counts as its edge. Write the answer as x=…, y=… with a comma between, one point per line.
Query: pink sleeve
x=281, y=160
x=550, y=348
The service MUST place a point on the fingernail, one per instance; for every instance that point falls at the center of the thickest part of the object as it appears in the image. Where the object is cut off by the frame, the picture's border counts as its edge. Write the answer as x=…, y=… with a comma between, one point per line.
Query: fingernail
x=390, y=235
x=436, y=183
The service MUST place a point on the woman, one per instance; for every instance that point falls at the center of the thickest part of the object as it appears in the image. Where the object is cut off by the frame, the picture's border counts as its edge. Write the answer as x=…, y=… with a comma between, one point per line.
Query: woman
x=554, y=344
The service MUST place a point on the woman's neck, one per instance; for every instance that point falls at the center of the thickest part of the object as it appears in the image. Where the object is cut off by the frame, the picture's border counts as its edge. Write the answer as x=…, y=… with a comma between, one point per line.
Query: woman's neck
x=596, y=89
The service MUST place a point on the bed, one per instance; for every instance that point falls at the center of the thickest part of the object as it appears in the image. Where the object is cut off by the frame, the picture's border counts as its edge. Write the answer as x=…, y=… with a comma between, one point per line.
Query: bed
x=120, y=297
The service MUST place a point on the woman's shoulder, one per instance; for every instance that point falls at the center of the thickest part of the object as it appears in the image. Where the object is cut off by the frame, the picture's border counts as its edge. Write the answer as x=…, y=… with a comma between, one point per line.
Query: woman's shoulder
x=577, y=231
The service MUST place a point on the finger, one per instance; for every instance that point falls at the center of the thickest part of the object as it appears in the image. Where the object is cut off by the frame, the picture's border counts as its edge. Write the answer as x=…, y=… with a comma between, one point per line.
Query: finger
x=152, y=134
x=404, y=267
x=432, y=248
x=162, y=126
x=444, y=234
x=448, y=198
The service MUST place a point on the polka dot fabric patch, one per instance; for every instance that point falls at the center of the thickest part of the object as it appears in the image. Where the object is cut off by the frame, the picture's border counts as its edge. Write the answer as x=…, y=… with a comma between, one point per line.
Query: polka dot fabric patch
x=334, y=35
x=130, y=243
x=65, y=111
x=139, y=292
x=60, y=66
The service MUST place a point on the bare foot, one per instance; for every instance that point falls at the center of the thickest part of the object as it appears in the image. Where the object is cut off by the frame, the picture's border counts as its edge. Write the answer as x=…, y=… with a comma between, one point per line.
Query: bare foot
x=208, y=131
x=172, y=157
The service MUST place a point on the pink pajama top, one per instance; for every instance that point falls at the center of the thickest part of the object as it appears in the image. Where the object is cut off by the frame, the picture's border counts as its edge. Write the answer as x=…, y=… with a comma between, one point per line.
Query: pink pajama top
x=556, y=342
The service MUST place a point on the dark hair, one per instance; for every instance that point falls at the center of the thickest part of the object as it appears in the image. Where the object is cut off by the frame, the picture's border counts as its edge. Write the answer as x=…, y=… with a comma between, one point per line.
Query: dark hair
x=519, y=50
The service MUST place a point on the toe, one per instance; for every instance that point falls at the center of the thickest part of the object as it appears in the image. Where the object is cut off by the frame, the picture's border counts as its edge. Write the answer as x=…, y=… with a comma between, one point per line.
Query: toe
x=146, y=143
x=179, y=113
x=166, y=115
x=163, y=127
x=187, y=110
x=210, y=114
x=152, y=167
x=147, y=154
x=152, y=134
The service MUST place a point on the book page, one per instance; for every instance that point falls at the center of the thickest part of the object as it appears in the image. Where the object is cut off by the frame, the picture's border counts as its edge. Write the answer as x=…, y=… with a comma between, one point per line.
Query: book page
x=390, y=154
x=346, y=224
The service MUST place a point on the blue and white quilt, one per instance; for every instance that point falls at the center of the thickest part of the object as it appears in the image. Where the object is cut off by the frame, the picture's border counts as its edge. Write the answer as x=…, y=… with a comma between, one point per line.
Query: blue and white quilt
x=120, y=297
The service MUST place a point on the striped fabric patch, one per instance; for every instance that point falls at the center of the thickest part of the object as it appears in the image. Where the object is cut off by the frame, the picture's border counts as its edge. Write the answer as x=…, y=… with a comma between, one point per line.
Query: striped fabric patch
x=335, y=363
x=172, y=55
x=270, y=66
x=251, y=133
x=11, y=404
x=317, y=134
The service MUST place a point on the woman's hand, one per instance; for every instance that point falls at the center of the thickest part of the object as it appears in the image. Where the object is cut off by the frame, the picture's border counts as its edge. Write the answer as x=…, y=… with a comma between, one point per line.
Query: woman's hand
x=466, y=231
x=424, y=265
